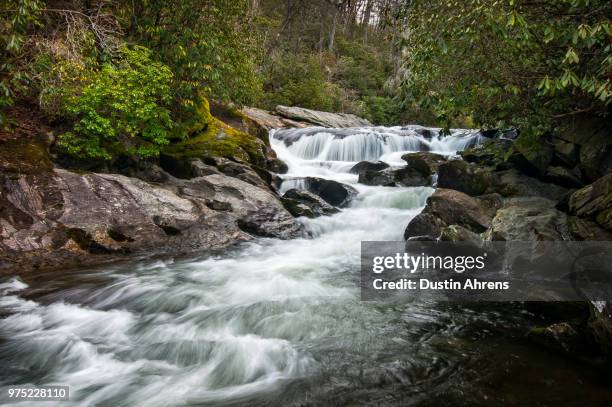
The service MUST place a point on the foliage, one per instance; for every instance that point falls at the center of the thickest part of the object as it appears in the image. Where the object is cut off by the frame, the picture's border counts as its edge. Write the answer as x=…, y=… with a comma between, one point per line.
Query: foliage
x=12, y=35
x=207, y=44
x=381, y=110
x=297, y=80
x=125, y=104
x=508, y=62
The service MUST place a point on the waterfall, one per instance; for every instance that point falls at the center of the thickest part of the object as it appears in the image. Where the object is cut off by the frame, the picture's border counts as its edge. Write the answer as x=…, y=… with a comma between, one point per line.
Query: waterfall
x=370, y=143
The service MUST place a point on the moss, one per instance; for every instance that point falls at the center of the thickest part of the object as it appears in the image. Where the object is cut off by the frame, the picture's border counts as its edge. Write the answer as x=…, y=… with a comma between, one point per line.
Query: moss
x=217, y=139
x=24, y=156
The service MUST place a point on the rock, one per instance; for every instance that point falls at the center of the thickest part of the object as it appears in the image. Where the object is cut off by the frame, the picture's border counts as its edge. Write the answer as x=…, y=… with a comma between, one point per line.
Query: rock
x=592, y=136
x=241, y=171
x=199, y=169
x=383, y=178
x=304, y=203
x=368, y=166
x=266, y=121
x=464, y=177
x=600, y=325
x=333, y=192
x=563, y=176
x=512, y=183
x=584, y=229
x=456, y=233
x=449, y=207
x=528, y=219
x=537, y=156
x=324, y=119
x=565, y=151
x=61, y=218
x=393, y=176
x=277, y=166
x=424, y=225
x=491, y=153
x=596, y=160
x=425, y=162
x=594, y=201
x=559, y=337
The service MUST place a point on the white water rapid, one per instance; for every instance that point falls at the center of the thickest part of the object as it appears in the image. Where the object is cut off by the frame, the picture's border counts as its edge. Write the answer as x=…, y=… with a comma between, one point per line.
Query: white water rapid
x=273, y=323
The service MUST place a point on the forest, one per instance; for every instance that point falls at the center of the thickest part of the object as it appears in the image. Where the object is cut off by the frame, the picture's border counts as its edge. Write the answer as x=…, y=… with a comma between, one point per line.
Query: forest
x=136, y=74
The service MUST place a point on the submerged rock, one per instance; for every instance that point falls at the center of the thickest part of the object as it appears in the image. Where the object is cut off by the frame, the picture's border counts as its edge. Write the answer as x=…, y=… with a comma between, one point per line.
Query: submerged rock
x=304, y=203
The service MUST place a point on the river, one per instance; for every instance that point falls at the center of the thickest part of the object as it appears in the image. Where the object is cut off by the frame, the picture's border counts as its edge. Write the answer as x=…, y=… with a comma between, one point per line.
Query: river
x=280, y=322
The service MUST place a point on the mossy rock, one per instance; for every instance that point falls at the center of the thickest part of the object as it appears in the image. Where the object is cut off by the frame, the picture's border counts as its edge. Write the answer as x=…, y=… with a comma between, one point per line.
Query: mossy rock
x=24, y=156
x=215, y=139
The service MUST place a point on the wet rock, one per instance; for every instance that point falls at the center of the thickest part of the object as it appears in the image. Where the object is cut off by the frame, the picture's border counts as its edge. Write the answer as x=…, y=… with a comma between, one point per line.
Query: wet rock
x=425, y=162
x=450, y=207
x=324, y=119
x=528, y=219
x=333, y=192
x=304, y=203
x=277, y=166
x=393, y=176
x=467, y=178
x=561, y=337
x=368, y=166
x=594, y=201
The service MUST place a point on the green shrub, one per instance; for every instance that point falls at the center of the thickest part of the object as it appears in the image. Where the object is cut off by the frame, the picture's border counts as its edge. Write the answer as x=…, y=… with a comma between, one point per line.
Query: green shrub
x=123, y=105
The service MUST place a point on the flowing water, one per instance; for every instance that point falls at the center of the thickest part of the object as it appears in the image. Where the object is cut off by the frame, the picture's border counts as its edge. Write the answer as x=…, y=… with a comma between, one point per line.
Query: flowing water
x=280, y=322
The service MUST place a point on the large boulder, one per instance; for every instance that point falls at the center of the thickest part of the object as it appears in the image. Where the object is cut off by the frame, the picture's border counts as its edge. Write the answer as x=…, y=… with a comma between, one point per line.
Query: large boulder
x=393, y=176
x=324, y=119
x=594, y=201
x=591, y=136
x=304, y=203
x=462, y=176
x=333, y=192
x=368, y=166
x=450, y=207
x=512, y=183
x=425, y=162
x=59, y=218
x=528, y=219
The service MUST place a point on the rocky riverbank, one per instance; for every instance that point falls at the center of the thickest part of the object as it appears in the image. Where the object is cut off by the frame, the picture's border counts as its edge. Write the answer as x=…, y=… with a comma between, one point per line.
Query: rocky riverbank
x=560, y=189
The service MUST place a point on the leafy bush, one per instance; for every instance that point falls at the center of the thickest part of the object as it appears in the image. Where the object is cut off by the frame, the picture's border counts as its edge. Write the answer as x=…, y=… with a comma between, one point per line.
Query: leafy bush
x=122, y=106
x=297, y=80
x=382, y=110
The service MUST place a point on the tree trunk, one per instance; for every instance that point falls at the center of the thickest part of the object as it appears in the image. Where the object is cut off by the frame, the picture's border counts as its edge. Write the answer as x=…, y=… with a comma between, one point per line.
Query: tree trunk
x=332, y=31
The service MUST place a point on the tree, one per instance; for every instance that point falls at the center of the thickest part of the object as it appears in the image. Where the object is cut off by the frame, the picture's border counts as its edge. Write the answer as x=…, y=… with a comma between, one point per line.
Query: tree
x=508, y=62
